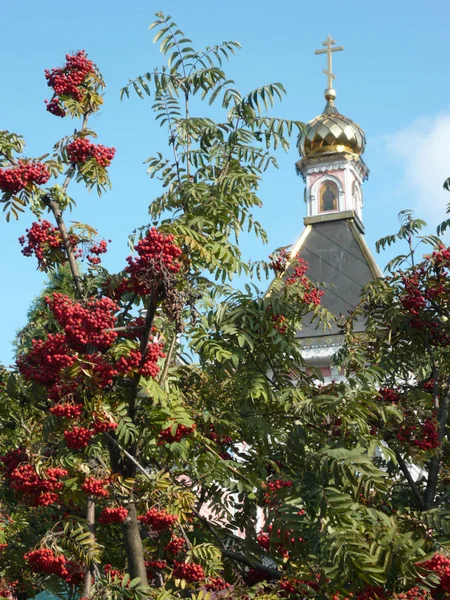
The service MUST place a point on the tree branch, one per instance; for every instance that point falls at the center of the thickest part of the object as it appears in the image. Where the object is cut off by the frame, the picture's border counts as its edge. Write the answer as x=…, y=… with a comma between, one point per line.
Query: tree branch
x=57, y=213
x=168, y=359
x=435, y=462
x=90, y=518
x=241, y=558
x=412, y=484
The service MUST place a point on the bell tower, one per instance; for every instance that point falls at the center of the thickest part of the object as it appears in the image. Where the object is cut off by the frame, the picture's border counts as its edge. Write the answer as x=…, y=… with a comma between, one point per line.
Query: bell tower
x=332, y=242
x=331, y=166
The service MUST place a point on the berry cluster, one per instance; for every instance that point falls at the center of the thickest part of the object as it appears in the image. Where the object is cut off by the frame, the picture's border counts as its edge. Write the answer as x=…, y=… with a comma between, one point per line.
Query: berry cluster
x=414, y=593
x=158, y=520
x=188, y=571
x=92, y=324
x=55, y=108
x=278, y=484
x=293, y=586
x=149, y=366
x=19, y=177
x=279, y=323
x=8, y=589
x=153, y=566
x=113, y=515
x=299, y=271
x=441, y=256
x=134, y=329
x=412, y=299
x=103, y=424
x=133, y=361
x=81, y=150
x=440, y=564
x=272, y=487
x=62, y=390
x=216, y=584
x=95, y=487
x=68, y=81
x=255, y=576
x=166, y=436
x=46, y=359
x=111, y=572
x=279, y=261
x=129, y=363
x=158, y=255
x=44, y=561
x=310, y=294
x=420, y=293
x=390, y=395
x=103, y=372
x=424, y=436
x=289, y=586
x=42, y=489
x=428, y=386
x=67, y=410
x=45, y=242
x=223, y=440
x=95, y=251
x=265, y=539
x=176, y=545
x=13, y=459
x=370, y=592
x=78, y=438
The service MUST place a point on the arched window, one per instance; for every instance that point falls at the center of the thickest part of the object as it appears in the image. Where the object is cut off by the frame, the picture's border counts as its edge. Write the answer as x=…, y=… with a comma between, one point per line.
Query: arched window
x=329, y=194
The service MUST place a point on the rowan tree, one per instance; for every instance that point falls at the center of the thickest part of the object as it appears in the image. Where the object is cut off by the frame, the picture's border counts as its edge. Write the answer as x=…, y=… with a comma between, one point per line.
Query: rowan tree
x=160, y=434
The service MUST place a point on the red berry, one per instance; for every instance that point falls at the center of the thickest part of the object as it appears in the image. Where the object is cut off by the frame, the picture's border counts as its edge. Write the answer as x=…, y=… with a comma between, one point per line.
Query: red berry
x=158, y=520
x=113, y=515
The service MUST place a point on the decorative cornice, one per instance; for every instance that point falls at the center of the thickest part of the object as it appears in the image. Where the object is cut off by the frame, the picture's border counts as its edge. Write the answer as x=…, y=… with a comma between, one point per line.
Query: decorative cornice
x=322, y=164
x=350, y=215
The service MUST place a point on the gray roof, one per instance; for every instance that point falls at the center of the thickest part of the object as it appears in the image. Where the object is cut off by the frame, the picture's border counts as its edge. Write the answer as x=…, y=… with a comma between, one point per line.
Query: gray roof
x=340, y=262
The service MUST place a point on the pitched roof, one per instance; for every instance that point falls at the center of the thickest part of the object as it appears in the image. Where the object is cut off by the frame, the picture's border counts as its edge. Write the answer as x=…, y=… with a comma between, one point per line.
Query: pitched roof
x=340, y=262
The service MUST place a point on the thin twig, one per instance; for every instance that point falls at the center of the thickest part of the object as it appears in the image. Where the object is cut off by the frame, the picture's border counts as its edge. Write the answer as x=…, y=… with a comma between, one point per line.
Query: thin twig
x=128, y=306
x=168, y=360
x=142, y=469
x=57, y=213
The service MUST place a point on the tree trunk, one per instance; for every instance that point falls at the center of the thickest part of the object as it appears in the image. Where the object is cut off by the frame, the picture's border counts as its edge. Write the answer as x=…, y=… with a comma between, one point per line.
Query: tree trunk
x=90, y=517
x=133, y=546
x=435, y=462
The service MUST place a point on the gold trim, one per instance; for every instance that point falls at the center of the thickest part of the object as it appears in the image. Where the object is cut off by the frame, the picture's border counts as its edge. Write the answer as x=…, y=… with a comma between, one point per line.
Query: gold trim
x=299, y=243
x=335, y=216
x=374, y=268
x=294, y=252
x=335, y=148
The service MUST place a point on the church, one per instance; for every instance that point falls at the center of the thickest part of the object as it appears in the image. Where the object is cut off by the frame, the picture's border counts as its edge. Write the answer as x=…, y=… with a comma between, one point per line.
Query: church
x=332, y=242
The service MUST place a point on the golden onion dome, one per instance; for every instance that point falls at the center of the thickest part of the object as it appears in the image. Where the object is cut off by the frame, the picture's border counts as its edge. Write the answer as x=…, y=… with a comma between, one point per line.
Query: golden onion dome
x=331, y=132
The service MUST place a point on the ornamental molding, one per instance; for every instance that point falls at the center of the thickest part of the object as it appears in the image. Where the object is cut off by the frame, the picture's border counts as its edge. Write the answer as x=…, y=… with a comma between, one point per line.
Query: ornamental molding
x=328, y=167
x=323, y=164
x=320, y=353
x=357, y=169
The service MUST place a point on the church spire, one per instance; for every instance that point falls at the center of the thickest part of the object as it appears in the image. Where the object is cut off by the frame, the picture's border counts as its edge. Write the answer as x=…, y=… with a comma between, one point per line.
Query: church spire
x=331, y=146
x=330, y=92
x=332, y=242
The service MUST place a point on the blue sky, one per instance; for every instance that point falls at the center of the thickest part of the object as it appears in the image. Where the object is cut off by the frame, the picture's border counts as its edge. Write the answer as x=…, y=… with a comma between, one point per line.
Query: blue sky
x=392, y=79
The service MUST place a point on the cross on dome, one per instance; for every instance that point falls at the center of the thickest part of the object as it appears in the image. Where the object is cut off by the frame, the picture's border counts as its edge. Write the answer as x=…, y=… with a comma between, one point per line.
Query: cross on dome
x=329, y=43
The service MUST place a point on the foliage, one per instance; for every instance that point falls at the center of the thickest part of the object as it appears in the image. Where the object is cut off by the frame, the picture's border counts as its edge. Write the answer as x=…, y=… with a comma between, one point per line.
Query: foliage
x=131, y=469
